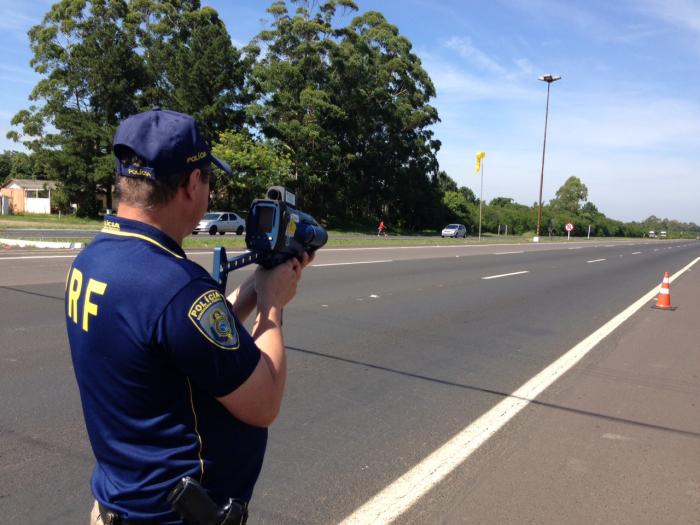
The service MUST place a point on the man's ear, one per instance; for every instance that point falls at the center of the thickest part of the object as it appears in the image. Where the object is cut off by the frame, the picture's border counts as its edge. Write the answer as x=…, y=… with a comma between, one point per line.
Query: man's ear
x=193, y=182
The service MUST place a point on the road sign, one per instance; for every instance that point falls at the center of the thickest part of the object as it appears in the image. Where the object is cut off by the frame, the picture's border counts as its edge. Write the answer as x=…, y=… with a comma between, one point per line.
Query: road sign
x=569, y=227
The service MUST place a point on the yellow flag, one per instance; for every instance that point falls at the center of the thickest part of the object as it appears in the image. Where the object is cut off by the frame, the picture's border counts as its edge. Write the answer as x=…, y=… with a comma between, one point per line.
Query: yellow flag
x=479, y=155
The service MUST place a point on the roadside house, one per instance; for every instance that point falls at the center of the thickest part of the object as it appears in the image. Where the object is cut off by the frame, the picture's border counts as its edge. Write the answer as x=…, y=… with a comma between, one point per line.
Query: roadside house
x=27, y=195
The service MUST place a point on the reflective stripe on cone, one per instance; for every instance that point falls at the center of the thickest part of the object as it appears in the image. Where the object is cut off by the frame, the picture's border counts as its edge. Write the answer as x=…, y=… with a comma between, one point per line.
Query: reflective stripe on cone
x=663, y=301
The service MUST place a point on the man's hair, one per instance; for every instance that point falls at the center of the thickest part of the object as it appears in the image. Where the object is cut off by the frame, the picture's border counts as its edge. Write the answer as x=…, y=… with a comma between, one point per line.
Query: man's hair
x=150, y=193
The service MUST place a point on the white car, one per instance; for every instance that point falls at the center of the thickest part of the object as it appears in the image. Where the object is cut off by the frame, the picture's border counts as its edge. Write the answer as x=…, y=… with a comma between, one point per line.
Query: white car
x=454, y=230
x=220, y=222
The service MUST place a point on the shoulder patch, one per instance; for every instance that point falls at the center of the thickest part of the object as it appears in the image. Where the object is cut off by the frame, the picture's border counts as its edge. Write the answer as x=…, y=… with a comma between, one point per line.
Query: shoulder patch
x=211, y=316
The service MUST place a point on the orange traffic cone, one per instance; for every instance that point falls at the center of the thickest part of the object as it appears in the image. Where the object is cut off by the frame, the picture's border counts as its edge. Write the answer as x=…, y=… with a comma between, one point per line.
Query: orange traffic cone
x=663, y=301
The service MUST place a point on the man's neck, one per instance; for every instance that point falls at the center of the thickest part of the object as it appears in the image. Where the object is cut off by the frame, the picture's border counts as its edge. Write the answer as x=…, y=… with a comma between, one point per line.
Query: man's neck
x=163, y=218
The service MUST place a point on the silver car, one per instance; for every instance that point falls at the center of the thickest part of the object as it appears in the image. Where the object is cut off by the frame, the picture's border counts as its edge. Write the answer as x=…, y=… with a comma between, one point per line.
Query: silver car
x=454, y=230
x=220, y=222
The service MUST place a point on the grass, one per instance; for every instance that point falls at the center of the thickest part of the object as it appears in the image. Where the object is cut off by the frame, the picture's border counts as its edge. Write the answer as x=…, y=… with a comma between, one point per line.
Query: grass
x=39, y=220
x=337, y=238
x=235, y=242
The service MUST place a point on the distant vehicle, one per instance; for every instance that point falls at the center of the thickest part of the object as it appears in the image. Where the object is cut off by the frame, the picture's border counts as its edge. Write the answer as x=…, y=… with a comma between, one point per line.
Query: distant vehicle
x=454, y=230
x=220, y=222
x=652, y=234
x=662, y=234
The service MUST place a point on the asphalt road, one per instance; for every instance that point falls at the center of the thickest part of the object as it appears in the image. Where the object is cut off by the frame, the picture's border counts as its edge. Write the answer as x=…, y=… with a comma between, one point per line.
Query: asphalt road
x=391, y=352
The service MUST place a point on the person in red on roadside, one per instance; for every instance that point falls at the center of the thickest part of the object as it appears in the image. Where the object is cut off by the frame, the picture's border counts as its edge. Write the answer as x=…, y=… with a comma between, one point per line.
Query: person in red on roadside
x=381, y=230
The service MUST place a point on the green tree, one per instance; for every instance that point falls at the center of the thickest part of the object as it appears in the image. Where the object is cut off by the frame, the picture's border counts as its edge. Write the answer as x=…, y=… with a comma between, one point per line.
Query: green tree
x=191, y=64
x=91, y=76
x=103, y=60
x=460, y=209
x=501, y=202
x=293, y=103
x=385, y=91
x=570, y=195
x=468, y=194
x=445, y=182
x=256, y=165
x=5, y=165
x=350, y=105
x=17, y=165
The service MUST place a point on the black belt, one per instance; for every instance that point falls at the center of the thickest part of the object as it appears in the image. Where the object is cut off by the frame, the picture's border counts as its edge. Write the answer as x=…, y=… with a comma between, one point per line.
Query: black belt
x=109, y=517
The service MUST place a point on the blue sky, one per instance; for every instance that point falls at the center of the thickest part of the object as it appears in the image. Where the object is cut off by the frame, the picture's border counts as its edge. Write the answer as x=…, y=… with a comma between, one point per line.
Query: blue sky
x=625, y=118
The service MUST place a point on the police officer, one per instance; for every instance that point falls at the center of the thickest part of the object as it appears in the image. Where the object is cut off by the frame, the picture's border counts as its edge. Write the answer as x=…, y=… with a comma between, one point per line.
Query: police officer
x=171, y=383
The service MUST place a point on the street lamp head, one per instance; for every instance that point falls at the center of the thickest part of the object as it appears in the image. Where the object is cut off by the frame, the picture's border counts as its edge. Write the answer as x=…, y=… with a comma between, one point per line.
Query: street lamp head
x=549, y=78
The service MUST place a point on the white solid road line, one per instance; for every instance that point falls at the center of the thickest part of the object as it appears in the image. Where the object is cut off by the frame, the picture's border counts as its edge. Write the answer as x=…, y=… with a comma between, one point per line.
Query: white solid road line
x=596, y=260
x=636, y=253
x=403, y=493
x=506, y=253
x=505, y=275
x=349, y=263
x=575, y=248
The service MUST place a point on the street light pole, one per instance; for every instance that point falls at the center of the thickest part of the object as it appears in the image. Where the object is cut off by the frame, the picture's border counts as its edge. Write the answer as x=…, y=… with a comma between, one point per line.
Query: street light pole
x=548, y=79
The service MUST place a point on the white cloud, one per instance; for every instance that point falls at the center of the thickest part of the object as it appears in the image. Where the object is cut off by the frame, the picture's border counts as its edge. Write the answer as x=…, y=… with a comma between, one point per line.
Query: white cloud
x=18, y=75
x=453, y=79
x=609, y=21
x=571, y=13
x=620, y=122
x=682, y=13
x=481, y=60
x=635, y=33
x=487, y=65
x=14, y=21
x=525, y=67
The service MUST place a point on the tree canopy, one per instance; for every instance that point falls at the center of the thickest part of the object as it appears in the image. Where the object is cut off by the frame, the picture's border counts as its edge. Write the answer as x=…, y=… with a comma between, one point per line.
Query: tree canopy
x=350, y=104
x=103, y=60
x=570, y=195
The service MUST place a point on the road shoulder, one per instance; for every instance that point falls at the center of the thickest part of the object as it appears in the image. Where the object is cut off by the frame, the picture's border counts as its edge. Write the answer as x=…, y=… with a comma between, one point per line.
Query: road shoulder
x=616, y=440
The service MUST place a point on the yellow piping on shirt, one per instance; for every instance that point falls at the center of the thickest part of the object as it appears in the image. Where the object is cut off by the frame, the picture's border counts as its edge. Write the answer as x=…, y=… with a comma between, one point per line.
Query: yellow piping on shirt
x=196, y=431
x=110, y=231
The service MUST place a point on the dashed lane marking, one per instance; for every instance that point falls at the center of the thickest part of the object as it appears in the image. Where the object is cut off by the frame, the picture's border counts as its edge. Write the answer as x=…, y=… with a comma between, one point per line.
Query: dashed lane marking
x=350, y=263
x=505, y=275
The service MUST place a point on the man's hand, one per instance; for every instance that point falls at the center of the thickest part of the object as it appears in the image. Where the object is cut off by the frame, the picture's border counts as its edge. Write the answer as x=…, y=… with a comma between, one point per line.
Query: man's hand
x=277, y=286
x=244, y=299
x=258, y=400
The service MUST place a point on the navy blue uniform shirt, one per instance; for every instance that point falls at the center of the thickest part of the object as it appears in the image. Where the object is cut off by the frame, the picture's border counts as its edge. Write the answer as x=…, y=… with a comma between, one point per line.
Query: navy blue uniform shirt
x=154, y=343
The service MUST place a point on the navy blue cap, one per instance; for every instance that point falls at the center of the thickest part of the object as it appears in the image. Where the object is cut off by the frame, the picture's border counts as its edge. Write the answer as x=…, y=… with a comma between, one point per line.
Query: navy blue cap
x=169, y=142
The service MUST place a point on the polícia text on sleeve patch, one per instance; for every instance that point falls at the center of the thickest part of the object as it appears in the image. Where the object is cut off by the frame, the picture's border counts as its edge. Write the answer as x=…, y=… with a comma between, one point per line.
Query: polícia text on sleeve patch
x=211, y=316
